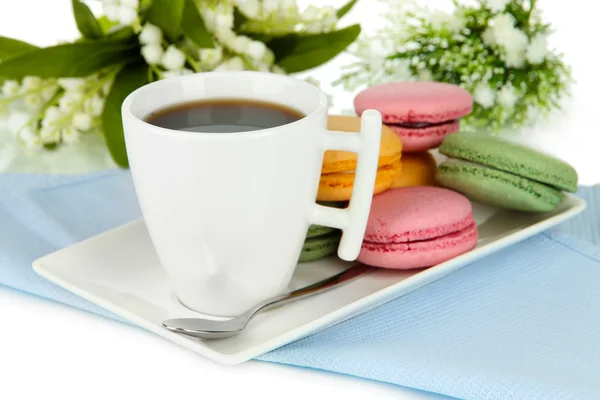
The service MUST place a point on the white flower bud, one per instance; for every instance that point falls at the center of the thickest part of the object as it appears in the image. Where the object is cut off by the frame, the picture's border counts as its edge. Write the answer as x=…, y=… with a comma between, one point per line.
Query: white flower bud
x=17, y=120
x=256, y=50
x=94, y=106
x=270, y=6
x=507, y=96
x=152, y=53
x=127, y=15
x=49, y=134
x=48, y=92
x=233, y=64
x=211, y=57
x=130, y=3
x=250, y=8
x=31, y=141
x=173, y=58
x=484, y=95
x=52, y=117
x=310, y=13
x=10, y=88
x=31, y=83
x=82, y=121
x=537, y=50
x=224, y=21
x=70, y=135
x=72, y=84
x=150, y=34
x=106, y=88
x=69, y=101
x=33, y=101
x=111, y=10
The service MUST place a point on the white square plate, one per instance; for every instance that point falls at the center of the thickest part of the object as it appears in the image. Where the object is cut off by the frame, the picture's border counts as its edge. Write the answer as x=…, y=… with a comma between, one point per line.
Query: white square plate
x=119, y=270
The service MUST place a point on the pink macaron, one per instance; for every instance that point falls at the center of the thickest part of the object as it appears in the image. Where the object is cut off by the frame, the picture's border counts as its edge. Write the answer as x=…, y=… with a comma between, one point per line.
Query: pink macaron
x=416, y=227
x=421, y=113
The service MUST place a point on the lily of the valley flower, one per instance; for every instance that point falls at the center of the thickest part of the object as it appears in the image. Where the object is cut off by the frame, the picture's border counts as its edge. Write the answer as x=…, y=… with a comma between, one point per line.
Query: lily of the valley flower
x=121, y=11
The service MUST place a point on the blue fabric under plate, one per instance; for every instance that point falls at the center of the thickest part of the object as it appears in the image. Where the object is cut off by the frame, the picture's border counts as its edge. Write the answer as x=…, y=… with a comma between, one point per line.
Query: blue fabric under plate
x=520, y=324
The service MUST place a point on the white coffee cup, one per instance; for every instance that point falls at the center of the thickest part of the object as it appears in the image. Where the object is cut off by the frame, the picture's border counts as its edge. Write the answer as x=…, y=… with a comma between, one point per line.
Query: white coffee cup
x=228, y=212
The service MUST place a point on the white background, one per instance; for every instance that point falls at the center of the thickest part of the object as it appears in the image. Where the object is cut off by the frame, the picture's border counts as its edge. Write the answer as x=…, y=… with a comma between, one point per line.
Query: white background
x=51, y=350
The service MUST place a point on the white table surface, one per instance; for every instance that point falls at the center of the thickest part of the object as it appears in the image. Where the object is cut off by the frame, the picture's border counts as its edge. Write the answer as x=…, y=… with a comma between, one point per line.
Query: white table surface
x=51, y=350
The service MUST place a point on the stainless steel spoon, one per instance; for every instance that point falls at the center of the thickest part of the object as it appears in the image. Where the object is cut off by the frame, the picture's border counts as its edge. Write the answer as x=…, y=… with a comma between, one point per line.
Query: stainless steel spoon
x=215, y=329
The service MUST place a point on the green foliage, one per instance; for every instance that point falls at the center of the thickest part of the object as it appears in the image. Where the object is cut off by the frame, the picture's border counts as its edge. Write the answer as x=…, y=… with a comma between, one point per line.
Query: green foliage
x=127, y=80
x=86, y=22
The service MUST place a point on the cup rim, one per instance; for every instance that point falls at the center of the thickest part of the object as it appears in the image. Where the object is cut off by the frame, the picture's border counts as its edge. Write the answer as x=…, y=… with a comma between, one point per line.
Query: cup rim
x=130, y=99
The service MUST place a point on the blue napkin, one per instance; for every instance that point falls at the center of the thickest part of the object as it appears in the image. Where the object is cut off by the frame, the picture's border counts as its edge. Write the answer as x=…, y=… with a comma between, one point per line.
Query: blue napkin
x=520, y=324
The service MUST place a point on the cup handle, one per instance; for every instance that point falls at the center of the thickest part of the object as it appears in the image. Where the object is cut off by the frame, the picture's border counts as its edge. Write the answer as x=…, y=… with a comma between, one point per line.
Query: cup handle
x=353, y=219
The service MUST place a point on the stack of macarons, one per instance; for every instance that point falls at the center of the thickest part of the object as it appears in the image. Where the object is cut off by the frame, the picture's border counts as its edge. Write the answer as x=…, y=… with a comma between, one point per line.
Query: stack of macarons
x=421, y=114
x=338, y=171
x=494, y=171
x=321, y=241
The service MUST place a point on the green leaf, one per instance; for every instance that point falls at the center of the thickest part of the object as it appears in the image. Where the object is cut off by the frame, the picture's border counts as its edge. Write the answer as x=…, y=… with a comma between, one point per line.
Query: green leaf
x=86, y=22
x=346, y=8
x=295, y=53
x=77, y=59
x=192, y=25
x=106, y=24
x=167, y=15
x=131, y=77
x=12, y=47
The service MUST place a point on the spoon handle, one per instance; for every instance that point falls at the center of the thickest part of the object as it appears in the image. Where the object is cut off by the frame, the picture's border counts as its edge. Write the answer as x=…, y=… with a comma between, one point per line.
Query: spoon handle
x=318, y=287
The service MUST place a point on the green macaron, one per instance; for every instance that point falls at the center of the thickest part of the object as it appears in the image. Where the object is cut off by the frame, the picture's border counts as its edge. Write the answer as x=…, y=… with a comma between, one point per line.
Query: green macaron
x=321, y=246
x=494, y=171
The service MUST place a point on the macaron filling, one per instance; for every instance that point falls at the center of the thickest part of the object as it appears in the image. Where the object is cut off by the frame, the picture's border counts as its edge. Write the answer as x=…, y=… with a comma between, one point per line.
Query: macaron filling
x=464, y=235
x=422, y=125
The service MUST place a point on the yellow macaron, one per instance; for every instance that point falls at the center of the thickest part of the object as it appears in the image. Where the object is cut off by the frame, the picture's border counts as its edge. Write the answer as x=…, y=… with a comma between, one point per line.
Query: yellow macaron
x=418, y=169
x=337, y=175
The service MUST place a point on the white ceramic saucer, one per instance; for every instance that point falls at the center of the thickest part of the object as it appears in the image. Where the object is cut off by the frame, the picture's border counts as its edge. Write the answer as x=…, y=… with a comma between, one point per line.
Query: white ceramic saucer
x=119, y=270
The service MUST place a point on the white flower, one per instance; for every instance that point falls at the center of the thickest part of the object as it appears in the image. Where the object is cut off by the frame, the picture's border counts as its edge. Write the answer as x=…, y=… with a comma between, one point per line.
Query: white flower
x=106, y=88
x=52, y=117
x=72, y=84
x=224, y=21
x=455, y=23
x=501, y=24
x=122, y=11
x=31, y=83
x=82, y=121
x=48, y=92
x=233, y=64
x=70, y=100
x=240, y=44
x=249, y=8
x=496, y=5
x=484, y=95
x=537, y=50
x=507, y=96
x=94, y=105
x=173, y=58
x=17, y=120
x=327, y=16
x=270, y=6
x=211, y=57
x=111, y=9
x=150, y=34
x=70, y=135
x=10, y=88
x=310, y=13
x=130, y=3
x=127, y=15
x=438, y=19
x=152, y=53
x=489, y=37
x=33, y=101
x=31, y=141
x=49, y=134
x=256, y=50
x=176, y=72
